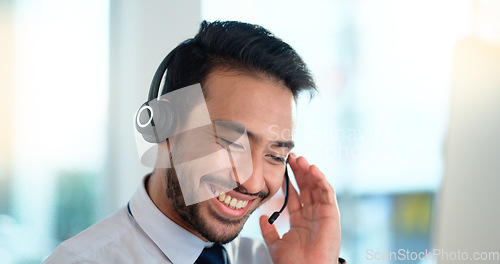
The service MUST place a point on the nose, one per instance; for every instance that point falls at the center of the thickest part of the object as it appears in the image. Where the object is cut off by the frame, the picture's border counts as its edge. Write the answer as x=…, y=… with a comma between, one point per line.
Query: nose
x=256, y=182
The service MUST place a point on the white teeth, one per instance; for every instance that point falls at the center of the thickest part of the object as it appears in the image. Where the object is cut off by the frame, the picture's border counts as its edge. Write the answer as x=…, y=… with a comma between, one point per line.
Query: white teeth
x=233, y=202
x=222, y=197
x=230, y=201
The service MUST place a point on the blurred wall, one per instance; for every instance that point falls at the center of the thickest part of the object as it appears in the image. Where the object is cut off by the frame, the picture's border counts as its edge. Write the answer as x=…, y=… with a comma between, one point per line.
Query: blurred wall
x=6, y=99
x=469, y=210
x=141, y=35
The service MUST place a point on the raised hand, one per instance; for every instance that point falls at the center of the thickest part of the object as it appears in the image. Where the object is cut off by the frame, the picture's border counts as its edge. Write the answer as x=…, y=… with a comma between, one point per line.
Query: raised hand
x=314, y=235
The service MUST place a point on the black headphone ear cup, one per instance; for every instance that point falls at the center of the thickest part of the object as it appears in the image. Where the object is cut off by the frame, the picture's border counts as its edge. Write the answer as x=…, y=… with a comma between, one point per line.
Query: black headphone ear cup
x=156, y=121
x=143, y=119
x=167, y=122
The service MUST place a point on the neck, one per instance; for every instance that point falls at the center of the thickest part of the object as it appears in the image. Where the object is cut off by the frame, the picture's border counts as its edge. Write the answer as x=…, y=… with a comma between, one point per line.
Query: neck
x=156, y=188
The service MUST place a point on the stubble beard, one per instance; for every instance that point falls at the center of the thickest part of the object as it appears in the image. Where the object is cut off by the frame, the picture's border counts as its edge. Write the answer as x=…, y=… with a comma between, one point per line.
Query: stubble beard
x=191, y=214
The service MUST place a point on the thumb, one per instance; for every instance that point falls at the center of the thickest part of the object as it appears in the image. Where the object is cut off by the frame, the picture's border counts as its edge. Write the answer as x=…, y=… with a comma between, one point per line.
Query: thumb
x=269, y=232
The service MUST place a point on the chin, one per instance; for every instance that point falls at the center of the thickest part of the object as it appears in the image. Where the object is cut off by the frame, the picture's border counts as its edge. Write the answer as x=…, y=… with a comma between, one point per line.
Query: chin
x=217, y=228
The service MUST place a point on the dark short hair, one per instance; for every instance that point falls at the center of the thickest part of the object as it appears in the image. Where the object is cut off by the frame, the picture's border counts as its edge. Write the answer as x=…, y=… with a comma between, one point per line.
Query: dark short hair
x=240, y=46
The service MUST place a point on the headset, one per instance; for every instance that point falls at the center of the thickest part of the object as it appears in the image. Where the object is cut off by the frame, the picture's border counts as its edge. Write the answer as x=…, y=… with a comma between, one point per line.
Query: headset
x=156, y=119
x=276, y=214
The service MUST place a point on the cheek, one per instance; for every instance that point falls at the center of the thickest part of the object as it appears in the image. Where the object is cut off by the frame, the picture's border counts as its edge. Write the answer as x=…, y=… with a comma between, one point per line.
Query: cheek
x=275, y=182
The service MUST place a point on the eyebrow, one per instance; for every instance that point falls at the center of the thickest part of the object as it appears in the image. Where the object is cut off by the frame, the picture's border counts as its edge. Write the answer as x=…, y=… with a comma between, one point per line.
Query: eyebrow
x=284, y=144
x=288, y=144
x=239, y=128
x=230, y=125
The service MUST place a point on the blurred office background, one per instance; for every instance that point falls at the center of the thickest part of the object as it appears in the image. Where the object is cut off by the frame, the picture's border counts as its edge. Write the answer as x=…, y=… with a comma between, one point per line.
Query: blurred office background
x=404, y=124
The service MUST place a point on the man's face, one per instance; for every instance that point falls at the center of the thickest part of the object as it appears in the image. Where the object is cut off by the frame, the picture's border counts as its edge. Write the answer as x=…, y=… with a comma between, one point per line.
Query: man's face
x=266, y=110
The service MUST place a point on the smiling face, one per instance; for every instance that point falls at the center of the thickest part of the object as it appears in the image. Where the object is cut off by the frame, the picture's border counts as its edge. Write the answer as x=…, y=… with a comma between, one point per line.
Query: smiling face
x=266, y=109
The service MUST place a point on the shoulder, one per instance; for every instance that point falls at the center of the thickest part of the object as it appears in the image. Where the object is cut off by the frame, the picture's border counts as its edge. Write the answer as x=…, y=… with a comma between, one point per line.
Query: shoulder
x=101, y=242
x=248, y=250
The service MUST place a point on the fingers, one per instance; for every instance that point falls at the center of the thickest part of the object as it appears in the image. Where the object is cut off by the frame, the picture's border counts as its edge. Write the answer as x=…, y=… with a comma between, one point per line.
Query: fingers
x=314, y=188
x=327, y=193
x=269, y=232
x=300, y=169
x=294, y=201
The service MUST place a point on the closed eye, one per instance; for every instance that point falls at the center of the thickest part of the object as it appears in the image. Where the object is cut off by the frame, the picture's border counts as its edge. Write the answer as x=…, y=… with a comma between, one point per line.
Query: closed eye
x=228, y=143
x=276, y=159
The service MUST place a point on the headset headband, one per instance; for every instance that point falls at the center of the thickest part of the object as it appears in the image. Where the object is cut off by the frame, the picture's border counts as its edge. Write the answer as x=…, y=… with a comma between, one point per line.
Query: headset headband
x=158, y=77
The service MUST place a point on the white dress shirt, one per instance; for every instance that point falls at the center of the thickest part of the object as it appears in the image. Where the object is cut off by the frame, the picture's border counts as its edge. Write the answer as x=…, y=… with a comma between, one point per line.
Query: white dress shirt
x=145, y=235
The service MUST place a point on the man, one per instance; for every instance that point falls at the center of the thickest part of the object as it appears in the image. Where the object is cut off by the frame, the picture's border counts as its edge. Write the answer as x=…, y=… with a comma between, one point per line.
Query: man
x=250, y=81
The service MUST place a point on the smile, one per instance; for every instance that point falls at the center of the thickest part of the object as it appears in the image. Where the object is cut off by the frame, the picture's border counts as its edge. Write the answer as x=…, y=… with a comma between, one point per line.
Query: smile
x=229, y=201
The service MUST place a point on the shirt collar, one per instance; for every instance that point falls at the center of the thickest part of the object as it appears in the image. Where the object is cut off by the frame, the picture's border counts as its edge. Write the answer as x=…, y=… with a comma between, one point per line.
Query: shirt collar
x=178, y=244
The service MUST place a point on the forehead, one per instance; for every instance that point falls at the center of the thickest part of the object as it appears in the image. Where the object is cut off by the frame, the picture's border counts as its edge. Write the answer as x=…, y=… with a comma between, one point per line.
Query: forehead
x=257, y=102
